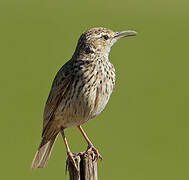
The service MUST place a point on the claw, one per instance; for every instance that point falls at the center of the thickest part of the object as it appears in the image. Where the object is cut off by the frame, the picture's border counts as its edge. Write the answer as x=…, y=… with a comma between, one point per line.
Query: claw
x=71, y=158
x=95, y=150
x=90, y=145
x=70, y=155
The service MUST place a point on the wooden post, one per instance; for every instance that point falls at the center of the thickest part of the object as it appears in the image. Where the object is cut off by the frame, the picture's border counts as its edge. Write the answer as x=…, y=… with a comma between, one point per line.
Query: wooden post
x=86, y=165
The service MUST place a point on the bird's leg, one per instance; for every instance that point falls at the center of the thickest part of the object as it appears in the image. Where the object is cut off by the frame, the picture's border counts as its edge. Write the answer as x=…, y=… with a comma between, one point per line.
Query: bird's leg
x=69, y=153
x=90, y=145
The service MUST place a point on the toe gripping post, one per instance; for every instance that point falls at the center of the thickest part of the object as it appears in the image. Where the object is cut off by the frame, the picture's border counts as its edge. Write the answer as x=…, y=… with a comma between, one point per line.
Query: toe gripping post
x=86, y=166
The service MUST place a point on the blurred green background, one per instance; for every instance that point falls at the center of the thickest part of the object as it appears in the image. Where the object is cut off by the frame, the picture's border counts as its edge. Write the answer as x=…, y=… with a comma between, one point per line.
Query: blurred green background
x=143, y=132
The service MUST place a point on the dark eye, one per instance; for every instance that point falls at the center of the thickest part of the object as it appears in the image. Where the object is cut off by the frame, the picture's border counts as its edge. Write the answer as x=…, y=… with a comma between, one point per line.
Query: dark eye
x=106, y=37
x=88, y=50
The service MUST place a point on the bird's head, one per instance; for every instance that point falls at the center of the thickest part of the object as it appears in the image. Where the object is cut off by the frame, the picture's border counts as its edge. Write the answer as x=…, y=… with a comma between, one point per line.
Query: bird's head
x=100, y=40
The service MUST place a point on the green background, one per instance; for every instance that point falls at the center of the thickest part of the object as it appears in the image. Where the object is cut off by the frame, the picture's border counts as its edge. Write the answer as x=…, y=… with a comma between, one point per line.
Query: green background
x=143, y=132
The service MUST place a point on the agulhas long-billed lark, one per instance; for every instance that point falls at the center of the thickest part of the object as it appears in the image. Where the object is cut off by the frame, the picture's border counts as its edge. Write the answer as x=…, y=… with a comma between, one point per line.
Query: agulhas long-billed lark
x=80, y=90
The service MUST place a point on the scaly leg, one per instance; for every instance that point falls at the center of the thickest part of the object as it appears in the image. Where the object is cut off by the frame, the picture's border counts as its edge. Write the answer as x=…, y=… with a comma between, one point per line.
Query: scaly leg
x=69, y=153
x=90, y=145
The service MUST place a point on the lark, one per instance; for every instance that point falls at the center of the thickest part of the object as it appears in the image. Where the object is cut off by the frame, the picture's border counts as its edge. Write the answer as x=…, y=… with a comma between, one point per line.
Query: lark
x=80, y=91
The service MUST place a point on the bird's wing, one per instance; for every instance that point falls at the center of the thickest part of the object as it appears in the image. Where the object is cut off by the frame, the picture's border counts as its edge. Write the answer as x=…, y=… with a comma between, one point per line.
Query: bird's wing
x=58, y=89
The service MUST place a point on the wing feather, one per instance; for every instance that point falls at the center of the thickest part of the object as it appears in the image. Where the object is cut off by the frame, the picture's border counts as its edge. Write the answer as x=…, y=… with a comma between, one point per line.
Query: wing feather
x=58, y=89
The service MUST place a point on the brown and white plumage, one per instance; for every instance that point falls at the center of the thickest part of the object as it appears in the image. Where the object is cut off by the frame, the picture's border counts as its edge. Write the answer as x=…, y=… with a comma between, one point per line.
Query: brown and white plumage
x=80, y=90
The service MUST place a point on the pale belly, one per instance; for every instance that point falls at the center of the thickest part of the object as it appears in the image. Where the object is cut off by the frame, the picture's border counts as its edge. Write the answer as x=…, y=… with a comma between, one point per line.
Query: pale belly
x=84, y=107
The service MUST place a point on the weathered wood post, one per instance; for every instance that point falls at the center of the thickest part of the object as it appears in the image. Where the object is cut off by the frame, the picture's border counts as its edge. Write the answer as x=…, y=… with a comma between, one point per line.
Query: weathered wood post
x=86, y=165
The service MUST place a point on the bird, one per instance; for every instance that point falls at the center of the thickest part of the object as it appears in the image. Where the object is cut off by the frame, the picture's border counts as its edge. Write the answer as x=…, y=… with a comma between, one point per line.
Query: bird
x=80, y=91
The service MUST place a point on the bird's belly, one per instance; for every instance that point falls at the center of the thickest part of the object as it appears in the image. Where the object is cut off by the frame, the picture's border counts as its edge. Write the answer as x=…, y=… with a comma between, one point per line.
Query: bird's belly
x=100, y=102
x=73, y=115
x=84, y=107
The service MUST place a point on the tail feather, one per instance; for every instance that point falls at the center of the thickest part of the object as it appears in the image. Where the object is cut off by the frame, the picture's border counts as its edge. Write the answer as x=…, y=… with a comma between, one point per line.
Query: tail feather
x=43, y=153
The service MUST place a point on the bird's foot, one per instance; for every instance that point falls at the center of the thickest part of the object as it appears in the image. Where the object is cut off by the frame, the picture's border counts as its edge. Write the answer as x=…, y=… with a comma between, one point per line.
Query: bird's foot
x=95, y=150
x=72, y=160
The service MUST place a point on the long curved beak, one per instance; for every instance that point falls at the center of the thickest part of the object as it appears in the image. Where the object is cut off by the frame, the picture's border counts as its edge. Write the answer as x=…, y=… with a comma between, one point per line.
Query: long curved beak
x=126, y=33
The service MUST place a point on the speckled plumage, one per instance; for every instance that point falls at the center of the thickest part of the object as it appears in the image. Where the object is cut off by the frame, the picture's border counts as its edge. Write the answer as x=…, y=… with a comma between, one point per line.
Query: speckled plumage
x=88, y=90
x=81, y=88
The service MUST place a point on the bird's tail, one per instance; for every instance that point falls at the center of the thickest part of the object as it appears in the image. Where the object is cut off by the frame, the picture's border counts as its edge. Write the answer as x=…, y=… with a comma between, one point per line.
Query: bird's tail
x=43, y=153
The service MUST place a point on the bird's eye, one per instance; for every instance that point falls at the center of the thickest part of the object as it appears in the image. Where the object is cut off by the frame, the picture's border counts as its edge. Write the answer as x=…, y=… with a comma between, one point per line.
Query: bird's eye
x=106, y=37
